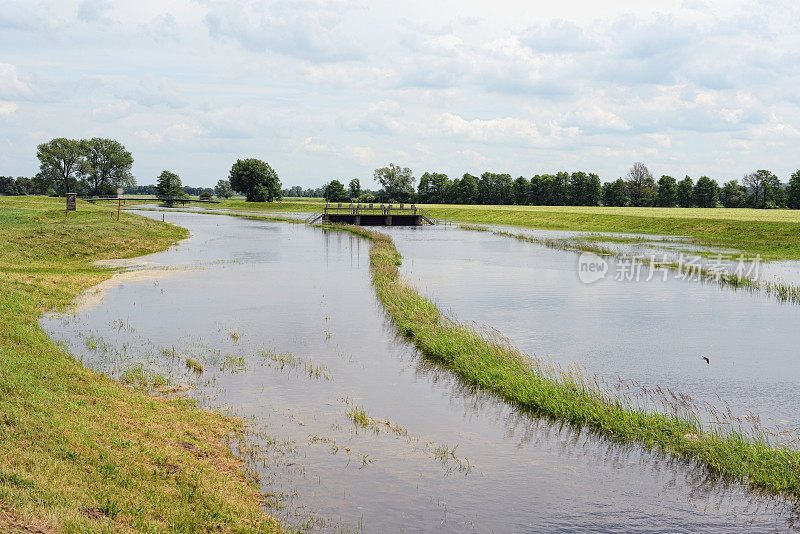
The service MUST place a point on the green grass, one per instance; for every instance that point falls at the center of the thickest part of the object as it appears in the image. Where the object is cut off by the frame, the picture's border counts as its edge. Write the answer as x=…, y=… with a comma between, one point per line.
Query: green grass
x=486, y=361
x=78, y=451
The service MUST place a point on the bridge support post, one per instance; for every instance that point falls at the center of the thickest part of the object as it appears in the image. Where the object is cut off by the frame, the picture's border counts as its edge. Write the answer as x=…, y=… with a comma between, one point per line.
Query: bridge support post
x=388, y=220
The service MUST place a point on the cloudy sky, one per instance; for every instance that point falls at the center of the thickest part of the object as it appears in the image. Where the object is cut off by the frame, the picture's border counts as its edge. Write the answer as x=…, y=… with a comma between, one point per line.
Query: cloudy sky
x=333, y=89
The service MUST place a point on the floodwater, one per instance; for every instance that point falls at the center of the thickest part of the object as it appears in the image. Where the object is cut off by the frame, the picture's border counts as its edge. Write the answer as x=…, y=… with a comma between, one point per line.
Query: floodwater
x=240, y=295
x=650, y=328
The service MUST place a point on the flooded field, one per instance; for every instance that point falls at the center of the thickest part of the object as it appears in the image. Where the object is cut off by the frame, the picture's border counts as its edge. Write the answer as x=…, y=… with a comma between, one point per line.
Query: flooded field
x=652, y=332
x=350, y=429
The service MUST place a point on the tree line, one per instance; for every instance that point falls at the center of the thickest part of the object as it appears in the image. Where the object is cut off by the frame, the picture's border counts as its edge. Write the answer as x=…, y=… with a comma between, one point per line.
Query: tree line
x=758, y=189
x=100, y=166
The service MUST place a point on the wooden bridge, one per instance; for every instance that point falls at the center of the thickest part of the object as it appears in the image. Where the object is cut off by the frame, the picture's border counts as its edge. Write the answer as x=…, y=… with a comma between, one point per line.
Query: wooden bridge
x=371, y=215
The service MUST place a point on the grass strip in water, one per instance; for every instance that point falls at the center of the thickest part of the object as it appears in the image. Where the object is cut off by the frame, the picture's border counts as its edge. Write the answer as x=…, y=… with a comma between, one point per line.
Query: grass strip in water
x=490, y=363
x=80, y=452
x=781, y=291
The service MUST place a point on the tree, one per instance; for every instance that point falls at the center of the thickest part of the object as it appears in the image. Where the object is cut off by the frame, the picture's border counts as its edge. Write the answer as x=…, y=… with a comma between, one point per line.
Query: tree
x=774, y=195
x=577, y=188
x=594, y=190
x=685, y=192
x=733, y=195
x=754, y=183
x=536, y=193
x=354, y=188
x=59, y=161
x=615, y=193
x=223, y=189
x=495, y=189
x=705, y=193
x=667, y=192
x=256, y=180
x=168, y=187
x=106, y=166
x=793, y=191
x=641, y=186
x=207, y=194
x=334, y=192
x=521, y=188
x=464, y=191
x=397, y=182
x=433, y=188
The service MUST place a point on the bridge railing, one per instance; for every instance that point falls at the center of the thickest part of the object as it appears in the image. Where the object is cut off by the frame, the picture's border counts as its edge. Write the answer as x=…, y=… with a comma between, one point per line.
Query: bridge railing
x=376, y=209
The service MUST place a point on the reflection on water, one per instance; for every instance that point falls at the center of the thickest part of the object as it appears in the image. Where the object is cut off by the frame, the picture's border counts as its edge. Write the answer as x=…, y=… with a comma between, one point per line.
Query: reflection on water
x=652, y=332
x=257, y=303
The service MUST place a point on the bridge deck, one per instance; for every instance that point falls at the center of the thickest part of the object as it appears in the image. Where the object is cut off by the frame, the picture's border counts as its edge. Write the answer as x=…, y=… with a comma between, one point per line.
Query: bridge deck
x=371, y=215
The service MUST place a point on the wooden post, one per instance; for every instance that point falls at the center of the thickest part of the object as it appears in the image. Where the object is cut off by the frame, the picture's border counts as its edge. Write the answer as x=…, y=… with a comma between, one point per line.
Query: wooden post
x=119, y=205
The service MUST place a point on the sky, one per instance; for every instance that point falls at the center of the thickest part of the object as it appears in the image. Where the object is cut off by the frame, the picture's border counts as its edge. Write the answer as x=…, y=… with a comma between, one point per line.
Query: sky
x=334, y=89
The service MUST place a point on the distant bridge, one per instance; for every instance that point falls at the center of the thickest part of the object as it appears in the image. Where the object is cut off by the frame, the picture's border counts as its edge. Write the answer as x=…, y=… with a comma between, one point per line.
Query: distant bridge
x=371, y=215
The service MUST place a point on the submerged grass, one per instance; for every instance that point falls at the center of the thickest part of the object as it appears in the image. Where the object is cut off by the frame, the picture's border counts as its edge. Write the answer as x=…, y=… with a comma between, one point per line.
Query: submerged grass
x=782, y=291
x=78, y=451
x=287, y=360
x=488, y=362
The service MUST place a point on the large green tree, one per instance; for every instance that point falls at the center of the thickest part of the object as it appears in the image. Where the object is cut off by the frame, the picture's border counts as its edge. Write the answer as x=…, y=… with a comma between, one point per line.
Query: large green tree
x=397, y=182
x=705, y=193
x=667, y=192
x=223, y=189
x=641, y=185
x=437, y=188
x=521, y=188
x=59, y=162
x=106, y=166
x=685, y=192
x=256, y=180
x=733, y=195
x=615, y=193
x=793, y=191
x=169, y=187
x=335, y=192
x=354, y=188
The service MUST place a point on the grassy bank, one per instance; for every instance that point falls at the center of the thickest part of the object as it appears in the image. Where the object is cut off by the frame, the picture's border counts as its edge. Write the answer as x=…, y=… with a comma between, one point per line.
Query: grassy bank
x=79, y=452
x=488, y=362
x=774, y=234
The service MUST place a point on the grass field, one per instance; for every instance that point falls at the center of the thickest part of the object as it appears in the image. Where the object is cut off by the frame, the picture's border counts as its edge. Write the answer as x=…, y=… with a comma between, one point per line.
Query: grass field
x=78, y=451
x=487, y=361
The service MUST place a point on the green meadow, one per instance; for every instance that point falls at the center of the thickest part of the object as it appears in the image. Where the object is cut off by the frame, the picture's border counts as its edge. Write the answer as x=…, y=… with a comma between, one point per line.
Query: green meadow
x=78, y=451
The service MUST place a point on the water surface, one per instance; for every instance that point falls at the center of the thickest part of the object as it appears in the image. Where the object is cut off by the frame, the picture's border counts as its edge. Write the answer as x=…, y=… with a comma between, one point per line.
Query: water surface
x=239, y=295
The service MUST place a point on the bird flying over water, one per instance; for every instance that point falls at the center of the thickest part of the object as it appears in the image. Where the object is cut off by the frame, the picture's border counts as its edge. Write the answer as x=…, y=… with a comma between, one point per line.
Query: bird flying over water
x=706, y=359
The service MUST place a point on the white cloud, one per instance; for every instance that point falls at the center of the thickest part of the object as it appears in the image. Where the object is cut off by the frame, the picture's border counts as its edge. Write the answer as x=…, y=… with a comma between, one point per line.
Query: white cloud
x=309, y=144
x=591, y=86
x=10, y=84
x=7, y=108
x=146, y=90
x=364, y=155
x=180, y=132
x=310, y=30
x=112, y=111
x=473, y=158
x=94, y=10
